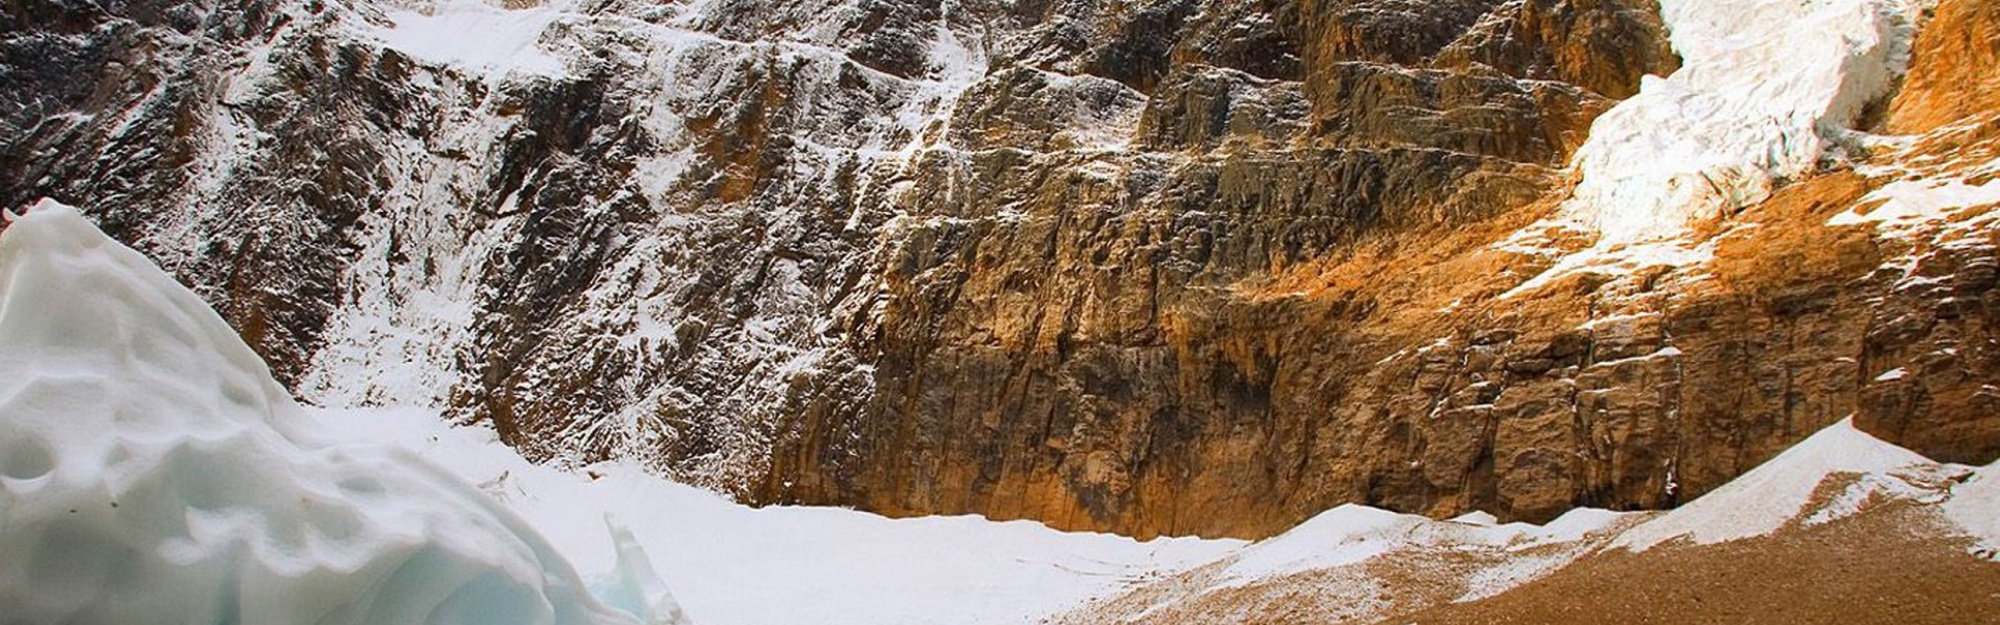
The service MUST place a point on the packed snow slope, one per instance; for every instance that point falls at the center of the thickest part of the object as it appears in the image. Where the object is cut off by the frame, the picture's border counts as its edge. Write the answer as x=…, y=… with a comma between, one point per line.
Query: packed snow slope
x=1157, y=267
x=151, y=471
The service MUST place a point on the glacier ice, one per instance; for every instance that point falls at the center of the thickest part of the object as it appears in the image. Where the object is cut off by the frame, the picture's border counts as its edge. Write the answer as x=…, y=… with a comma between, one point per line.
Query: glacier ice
x=151, y=471
x=634, y=586
x=1767, y=89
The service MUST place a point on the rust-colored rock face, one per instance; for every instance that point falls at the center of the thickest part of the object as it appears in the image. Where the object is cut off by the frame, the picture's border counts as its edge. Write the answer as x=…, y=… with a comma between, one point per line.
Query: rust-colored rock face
x=1089, y=338
x=1153, y=267
x=1136, y=368
x=1954, y=75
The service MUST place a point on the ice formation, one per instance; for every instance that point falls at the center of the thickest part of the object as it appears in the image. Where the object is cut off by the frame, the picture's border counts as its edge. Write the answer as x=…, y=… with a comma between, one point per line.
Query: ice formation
x=1767, y=89
x=151, y=471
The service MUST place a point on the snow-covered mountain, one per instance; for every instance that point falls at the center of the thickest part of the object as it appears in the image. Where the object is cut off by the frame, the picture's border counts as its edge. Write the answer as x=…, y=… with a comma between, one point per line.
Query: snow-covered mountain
x=151, y=469
x=1152, y=266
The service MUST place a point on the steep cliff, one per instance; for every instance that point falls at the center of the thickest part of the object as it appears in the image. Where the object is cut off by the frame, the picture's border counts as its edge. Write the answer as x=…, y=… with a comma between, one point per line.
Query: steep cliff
x=1165, y=266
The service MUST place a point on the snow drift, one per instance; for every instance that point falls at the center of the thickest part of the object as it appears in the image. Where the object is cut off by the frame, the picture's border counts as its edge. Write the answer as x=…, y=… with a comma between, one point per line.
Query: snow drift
x=152, y=471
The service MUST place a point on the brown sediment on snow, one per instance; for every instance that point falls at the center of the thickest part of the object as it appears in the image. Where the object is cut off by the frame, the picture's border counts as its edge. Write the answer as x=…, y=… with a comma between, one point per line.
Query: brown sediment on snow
x=1878, y=567
x=1894, y=563
x=1841, y=524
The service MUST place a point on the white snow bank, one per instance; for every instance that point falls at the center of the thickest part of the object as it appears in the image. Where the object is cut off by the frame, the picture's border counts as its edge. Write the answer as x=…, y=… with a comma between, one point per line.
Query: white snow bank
x=1344, y=535
x=474, y=35
x=1975, y=507
x=1766, y=89
x=151, y=471
x=733, y=565
x=1480, y=518
x=1780, y=492
x=1352, y=533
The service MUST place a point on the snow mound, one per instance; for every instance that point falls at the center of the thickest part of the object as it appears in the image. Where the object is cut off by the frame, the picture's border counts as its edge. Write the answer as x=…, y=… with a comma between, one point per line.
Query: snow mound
x=1767, y=89
x=1344, y=535
x=1830, y=475
x=1352, y=533
x=151, y=471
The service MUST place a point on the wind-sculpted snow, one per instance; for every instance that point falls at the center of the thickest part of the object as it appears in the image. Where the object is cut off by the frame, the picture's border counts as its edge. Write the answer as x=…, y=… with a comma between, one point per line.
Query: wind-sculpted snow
x=151, y=471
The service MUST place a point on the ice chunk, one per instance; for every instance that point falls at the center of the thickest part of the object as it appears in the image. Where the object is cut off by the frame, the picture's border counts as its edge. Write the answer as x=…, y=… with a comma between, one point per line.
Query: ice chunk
x=151, y=471
x=634, y=587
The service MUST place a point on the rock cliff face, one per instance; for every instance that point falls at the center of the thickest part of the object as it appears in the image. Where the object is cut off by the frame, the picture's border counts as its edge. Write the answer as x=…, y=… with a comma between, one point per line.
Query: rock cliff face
x=1154, y=267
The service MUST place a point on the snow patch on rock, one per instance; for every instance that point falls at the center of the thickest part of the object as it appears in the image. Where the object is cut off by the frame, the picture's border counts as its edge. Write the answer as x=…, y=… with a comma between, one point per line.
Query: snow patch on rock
x=474, y=35
x=1975, y=507
x=1904, y=204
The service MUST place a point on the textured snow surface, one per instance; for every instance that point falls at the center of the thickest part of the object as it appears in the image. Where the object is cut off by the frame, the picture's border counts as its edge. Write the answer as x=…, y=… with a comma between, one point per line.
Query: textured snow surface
x=151, y=471
x=1766, y=90
x=1782, y=491
x=733, y=565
